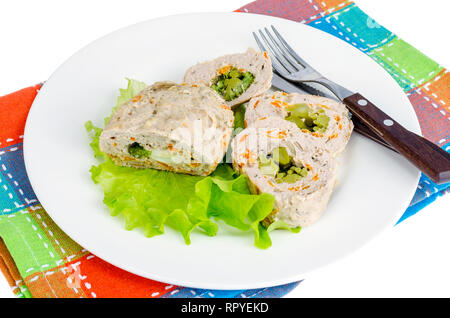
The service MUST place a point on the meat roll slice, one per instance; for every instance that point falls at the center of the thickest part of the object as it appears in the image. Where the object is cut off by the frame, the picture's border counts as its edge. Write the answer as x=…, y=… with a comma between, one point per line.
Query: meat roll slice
x=299, y=175
x=322, y=119
x=235, y=77
x=167, y=126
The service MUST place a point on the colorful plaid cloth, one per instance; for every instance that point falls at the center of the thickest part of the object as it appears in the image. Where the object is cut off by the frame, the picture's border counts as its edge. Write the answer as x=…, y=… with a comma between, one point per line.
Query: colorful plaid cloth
x=39, y=260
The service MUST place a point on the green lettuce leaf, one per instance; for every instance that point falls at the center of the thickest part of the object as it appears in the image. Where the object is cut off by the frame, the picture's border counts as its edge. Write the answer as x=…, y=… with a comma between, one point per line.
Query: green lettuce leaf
x=152, y=199
x=134, y=87
x=94, y=133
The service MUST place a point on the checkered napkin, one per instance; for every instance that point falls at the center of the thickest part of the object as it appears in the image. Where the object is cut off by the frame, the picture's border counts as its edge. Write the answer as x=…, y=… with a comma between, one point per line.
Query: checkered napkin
x=39, y=260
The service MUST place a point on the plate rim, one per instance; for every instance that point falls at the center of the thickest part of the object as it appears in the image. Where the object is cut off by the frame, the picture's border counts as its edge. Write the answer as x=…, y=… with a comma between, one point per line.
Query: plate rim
x=131, y=268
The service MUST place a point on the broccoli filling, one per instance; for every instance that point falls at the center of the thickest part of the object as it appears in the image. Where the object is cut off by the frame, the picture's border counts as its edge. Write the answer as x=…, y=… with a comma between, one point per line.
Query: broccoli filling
x=305, y=118
x=233, y=83
x=137, y=151
x=280, y=166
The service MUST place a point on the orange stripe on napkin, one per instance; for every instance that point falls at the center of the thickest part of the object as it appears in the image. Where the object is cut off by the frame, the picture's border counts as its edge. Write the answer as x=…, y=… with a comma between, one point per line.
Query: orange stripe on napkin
x=104, y=280
x=14, y=108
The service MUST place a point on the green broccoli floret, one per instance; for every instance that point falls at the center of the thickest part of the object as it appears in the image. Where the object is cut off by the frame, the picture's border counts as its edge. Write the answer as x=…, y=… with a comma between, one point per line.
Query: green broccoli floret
x=137, y=151
x=232, y=84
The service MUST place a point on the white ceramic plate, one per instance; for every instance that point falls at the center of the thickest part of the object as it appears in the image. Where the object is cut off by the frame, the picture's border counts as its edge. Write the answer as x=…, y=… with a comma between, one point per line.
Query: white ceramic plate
x=375, y=187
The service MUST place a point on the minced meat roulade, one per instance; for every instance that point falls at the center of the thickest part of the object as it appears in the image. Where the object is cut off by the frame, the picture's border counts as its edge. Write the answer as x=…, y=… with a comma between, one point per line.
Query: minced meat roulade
x=182, y=128
x=321, y=118
x=281, y=162
x=235, y=77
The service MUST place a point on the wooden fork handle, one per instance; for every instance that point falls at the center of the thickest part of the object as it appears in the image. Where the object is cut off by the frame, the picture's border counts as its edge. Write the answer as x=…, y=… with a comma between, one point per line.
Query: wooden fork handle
x=363, y=130
x=425, y=155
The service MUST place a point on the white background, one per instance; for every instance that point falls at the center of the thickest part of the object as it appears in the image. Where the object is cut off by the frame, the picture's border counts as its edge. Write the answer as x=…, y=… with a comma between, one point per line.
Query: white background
x=410, y=260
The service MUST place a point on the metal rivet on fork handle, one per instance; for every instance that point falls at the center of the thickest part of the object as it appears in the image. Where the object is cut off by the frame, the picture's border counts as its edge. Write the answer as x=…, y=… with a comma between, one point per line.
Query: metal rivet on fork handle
x=362, y=102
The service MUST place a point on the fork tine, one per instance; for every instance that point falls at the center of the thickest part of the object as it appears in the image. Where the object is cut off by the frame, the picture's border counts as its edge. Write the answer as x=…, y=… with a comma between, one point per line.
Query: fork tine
x=280, y=48
x=289, y=49
x=280, y=59
x=280, y=69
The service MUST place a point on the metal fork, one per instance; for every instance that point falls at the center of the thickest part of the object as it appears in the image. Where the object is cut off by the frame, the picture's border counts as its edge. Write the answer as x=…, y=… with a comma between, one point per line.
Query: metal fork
x=286, y=86
x=425, y=155
x=291, y=66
